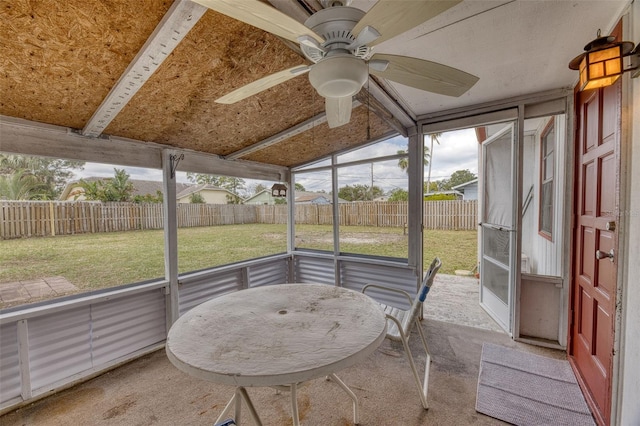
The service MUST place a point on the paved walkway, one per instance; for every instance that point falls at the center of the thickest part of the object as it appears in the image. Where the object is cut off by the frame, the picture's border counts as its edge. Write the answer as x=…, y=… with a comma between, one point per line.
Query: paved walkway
x=29, y=291
x=455, y=299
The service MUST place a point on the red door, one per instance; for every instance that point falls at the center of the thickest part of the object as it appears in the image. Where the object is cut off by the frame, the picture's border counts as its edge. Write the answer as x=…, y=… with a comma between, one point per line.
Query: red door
x=595, y=245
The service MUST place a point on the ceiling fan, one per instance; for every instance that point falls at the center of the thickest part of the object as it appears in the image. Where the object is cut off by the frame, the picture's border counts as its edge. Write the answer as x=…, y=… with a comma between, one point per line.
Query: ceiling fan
x=339, y=40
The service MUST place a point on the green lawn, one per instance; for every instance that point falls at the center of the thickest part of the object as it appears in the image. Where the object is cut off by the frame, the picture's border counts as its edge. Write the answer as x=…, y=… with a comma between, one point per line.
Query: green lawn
x=92, y=261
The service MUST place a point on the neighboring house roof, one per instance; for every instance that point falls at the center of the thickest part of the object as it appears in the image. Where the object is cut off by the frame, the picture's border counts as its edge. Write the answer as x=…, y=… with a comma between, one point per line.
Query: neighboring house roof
x=266, y=193
x=192, y=189
x=301, y=197
x=463, y=185
x=140, y=187
x=316, y=197
x=308, y=197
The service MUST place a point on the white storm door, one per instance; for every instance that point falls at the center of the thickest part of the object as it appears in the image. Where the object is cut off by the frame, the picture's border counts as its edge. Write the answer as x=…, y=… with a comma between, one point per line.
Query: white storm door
x=498, y=233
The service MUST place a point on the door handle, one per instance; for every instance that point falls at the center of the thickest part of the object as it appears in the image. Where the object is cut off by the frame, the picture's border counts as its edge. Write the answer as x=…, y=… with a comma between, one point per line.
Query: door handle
x=602, y=255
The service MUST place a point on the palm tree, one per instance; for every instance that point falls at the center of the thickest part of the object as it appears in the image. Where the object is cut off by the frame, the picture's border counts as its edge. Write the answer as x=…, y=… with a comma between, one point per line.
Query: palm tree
x=403, y=162
x=433, y=137
x=22, y=185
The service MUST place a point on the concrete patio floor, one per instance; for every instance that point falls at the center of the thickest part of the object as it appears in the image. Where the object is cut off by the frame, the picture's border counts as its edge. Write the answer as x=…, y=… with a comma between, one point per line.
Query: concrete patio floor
x=150, y=391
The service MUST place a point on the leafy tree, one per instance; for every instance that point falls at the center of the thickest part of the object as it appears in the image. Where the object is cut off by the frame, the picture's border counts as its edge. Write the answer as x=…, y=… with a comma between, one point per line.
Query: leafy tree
x=196, y=198
x=202, y=179
x=259, y=188
x=92, y=191
x=359, y=192
x=50, y=174
x=399, y=194
x=119, y=188
x=299, y=187
x=148, y=198
x=440, y=197
x=280, y=200
x=457, y=178
x=231, y=184
x=431, y=187
x=233, y=199
x=115, y=189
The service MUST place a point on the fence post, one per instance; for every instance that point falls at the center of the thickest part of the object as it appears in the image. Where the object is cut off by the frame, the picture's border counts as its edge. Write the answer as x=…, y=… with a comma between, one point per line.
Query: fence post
x=51, y=218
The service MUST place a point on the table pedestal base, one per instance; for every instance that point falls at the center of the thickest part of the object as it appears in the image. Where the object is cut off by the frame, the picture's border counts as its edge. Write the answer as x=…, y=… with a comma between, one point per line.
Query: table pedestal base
x=241, y=395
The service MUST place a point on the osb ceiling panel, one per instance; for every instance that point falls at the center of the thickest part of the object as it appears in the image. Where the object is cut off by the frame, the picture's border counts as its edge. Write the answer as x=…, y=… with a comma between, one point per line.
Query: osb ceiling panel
x=59, y=59
x=176, y=106
x=321, y=141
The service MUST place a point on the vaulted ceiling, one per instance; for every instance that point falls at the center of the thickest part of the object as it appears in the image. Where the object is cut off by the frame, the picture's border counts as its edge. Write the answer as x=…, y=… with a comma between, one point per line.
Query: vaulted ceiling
x=150, y=71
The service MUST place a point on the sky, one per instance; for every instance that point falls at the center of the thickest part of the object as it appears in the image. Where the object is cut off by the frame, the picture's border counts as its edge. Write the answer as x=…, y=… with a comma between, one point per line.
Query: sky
x=457, y=150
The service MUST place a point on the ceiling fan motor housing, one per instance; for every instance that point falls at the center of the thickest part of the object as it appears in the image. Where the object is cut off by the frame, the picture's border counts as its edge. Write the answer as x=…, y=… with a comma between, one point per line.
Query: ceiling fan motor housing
x=337, y=71
x=334, y=25
x=338, y=75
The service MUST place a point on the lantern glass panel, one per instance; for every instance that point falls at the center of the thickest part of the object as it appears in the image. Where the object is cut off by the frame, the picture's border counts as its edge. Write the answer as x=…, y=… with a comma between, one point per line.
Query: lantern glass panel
x=596, y=70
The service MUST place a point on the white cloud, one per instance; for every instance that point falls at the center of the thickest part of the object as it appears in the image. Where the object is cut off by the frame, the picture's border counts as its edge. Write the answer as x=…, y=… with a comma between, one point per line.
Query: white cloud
x=458, y=150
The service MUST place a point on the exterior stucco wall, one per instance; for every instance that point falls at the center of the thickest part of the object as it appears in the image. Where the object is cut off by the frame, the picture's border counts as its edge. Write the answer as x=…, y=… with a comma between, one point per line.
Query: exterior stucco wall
x=210, y=197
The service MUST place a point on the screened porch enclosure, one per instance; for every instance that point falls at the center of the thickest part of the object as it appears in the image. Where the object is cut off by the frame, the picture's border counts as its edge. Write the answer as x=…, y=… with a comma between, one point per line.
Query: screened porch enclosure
x=59, y=343
x=42, y=352
x=136, y=84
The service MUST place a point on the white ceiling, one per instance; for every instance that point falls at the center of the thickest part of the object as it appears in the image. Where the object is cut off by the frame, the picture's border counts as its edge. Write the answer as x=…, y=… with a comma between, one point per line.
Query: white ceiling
x=516, y=47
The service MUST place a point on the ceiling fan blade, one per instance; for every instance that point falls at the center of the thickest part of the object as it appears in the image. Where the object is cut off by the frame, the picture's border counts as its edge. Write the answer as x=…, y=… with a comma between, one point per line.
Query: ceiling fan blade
x=393, y=17
x=263, y=16
x=262, y=84
x=338, y=111
x=425, y=75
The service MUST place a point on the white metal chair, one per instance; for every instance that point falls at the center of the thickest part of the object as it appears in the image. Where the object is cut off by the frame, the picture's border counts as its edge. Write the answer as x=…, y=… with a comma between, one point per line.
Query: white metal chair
x=400, y=322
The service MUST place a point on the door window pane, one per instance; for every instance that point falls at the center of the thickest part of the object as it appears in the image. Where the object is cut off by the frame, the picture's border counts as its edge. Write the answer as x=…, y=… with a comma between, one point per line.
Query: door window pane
x=496, y=279
x=497, y=185
x=496, y=245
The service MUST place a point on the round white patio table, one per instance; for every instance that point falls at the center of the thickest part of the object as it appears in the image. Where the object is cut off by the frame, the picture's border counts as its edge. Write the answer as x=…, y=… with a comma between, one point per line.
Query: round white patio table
x=277, y=335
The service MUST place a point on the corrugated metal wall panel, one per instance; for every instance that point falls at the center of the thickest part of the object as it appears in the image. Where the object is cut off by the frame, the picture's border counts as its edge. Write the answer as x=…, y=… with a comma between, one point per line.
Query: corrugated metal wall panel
x=10, y=384
x=59, y=345
x=276, y=272
x=201, y=287
x=124, y=325
x=354, y=275
x=309, y=269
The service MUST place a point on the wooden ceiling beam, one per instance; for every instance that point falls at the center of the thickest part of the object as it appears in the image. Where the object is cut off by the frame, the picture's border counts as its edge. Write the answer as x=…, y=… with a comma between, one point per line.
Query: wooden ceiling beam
x=387, y=107
x=25, y=137
x=285, y=134
x=174, y=26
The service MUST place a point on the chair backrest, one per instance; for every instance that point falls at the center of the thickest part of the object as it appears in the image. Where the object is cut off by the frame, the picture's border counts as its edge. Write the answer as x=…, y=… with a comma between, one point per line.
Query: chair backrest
x=428, y=279
x=427, y=282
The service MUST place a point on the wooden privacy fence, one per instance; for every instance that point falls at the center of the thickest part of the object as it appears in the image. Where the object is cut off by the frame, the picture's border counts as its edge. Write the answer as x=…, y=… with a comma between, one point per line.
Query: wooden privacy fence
x=44, y=218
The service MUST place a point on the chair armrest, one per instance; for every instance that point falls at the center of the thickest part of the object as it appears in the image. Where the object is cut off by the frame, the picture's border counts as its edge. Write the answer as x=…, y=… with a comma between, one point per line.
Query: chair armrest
x=401, y=331
x=392, y=290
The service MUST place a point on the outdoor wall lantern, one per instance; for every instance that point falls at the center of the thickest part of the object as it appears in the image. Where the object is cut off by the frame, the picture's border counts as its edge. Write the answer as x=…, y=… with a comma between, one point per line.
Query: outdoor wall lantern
x=279, y=190
x=602, y=64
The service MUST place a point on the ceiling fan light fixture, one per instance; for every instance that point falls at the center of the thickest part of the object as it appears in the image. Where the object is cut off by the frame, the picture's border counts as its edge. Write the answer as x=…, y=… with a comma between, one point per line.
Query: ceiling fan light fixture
x=338, y=76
